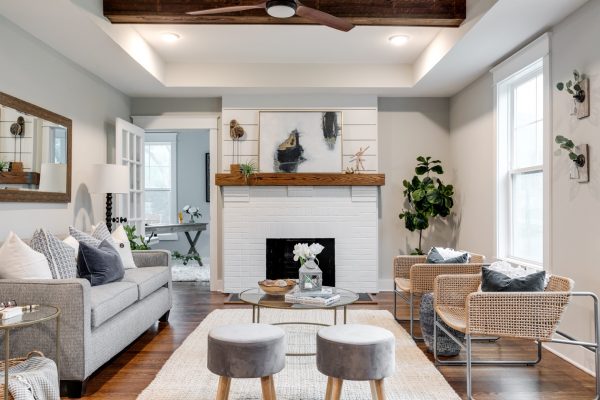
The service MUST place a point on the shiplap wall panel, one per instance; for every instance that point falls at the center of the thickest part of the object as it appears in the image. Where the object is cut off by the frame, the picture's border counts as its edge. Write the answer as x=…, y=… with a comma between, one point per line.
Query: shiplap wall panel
x=359, y=129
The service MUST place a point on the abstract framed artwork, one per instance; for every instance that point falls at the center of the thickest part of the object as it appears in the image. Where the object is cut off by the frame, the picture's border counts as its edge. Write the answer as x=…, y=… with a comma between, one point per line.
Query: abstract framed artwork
x=300, y=141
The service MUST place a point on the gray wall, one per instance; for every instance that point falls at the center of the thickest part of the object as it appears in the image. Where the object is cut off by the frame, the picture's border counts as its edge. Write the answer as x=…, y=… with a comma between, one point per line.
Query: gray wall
x=408, y=128
x=191, y=181
x=574, y=230
x=38, y=74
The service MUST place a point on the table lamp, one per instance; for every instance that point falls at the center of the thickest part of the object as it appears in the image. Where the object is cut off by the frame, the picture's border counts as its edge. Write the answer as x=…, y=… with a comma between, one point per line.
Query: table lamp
x=109, y=179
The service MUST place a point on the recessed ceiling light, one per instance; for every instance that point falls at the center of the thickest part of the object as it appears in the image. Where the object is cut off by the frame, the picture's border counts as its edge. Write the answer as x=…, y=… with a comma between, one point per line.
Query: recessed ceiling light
x=398, y=40
x=170, y=37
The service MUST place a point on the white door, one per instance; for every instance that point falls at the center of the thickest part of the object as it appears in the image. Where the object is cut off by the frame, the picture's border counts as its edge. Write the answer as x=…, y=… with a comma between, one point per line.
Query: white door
x=129, y=150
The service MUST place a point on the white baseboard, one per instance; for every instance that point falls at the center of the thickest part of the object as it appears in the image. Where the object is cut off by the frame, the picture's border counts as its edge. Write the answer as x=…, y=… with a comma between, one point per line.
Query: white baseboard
x=570, y=361
x=386, y=285
x=216, y=286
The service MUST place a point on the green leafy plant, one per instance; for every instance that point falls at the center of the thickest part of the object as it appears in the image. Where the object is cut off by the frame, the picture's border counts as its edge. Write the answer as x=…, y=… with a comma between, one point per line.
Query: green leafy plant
x=428, y=197
x=573, y=86
x=136, y=242
x=186, y=258
x=568, y=145
x=3, y=166
x=248, y=169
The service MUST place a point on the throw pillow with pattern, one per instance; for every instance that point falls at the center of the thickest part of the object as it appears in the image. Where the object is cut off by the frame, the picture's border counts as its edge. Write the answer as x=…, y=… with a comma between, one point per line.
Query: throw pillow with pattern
x=60, y=256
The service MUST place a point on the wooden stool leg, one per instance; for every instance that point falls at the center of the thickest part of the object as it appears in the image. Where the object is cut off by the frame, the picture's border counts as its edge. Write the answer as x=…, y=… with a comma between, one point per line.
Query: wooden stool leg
x=380, y=389
x=373, y=390
x=223, y=389
x=336, y=388
x=273, y=394
x=329, y=386
x=265, y=384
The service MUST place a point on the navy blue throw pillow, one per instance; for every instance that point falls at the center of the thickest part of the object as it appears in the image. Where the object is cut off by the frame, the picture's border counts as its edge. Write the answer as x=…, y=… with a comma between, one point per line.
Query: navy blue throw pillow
x=494, y=281
x=434, y=257
x=99, y=265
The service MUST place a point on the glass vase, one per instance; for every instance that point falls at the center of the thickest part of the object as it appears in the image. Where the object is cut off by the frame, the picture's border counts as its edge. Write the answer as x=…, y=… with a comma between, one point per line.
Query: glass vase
x=310, y=277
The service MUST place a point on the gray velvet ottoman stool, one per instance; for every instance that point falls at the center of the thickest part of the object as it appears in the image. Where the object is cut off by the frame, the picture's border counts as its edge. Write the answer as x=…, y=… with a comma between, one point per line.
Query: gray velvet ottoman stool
x=355, y=353
x=246, y=351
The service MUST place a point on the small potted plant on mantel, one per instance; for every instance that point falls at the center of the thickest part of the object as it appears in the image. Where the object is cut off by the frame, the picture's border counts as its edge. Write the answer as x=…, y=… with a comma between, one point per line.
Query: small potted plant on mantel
x=247, y=170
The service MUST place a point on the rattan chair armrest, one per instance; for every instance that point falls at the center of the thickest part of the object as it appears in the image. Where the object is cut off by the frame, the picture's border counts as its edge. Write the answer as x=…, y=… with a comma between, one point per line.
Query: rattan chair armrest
x=402, y=265
x=423, y=275
x=531, y=315
x=452, y=290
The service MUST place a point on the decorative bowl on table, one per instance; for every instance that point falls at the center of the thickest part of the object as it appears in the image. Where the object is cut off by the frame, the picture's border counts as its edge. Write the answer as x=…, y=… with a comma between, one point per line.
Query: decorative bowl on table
x=277, y=286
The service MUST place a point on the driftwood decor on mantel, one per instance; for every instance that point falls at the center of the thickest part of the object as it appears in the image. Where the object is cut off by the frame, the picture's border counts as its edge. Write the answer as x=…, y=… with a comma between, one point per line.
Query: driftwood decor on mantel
x=235, y=178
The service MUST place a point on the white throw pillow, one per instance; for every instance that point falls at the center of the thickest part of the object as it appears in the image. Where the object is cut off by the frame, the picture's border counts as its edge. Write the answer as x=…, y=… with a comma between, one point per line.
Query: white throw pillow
x=123, y=247
x=71, y=241
x=19, y=261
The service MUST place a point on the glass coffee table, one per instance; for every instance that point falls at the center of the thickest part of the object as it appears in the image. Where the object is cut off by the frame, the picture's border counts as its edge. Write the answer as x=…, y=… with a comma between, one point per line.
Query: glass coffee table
x=259, y=299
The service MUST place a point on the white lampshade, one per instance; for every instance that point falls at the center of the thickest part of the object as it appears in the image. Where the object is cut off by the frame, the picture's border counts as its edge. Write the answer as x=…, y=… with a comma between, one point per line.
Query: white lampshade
x=109, y=178
x=53, y=178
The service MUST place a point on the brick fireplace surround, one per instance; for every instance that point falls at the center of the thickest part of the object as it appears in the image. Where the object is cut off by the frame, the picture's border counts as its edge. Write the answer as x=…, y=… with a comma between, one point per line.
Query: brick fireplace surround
x=251, y=214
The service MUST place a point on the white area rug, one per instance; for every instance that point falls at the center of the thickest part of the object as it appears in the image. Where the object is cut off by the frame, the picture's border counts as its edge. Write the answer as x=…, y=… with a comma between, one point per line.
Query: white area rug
x=190, y=273
x=185, y=375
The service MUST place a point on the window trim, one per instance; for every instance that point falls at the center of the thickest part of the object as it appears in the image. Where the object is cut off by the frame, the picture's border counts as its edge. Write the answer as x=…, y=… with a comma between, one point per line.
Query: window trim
x=167, y=137
x=521, y=66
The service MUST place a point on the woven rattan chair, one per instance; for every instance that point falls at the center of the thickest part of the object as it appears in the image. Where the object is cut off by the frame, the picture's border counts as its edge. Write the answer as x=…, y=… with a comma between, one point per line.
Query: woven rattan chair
x=526, y=315
x=413, y=277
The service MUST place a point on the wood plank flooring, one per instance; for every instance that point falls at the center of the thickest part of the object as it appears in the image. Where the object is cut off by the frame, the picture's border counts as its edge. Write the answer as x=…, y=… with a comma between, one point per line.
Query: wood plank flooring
x=131, y=371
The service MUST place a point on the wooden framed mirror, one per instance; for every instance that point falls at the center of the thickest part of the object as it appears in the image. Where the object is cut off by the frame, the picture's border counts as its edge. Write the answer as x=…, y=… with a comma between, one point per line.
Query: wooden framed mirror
x=35, y=153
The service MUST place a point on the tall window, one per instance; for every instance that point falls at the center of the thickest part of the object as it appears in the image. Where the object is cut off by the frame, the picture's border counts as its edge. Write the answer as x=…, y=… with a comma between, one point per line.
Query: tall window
x=521, y=165
x=160, y=178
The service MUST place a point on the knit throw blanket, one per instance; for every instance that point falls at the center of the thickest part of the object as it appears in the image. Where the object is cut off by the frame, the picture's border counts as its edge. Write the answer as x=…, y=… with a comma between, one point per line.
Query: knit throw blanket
x=34, y=379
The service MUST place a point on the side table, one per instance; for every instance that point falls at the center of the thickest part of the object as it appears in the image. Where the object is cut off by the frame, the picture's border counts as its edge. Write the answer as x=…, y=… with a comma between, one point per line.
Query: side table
x=39, y=315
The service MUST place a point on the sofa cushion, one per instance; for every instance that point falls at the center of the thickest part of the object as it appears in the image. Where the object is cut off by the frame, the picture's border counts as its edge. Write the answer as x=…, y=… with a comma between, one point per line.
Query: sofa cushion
x=110, y=299
x=147, y=279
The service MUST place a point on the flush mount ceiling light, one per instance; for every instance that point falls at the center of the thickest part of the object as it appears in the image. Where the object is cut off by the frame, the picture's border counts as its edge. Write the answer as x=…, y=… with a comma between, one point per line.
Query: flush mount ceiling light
x=170, y=37
x=398, y=40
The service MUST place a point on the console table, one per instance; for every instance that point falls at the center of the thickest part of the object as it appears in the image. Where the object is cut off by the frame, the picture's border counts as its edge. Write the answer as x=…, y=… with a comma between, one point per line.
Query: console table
x=186, y=228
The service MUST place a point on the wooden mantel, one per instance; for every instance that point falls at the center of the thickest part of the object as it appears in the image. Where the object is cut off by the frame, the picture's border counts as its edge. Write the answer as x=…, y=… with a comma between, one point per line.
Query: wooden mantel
x=299, y=179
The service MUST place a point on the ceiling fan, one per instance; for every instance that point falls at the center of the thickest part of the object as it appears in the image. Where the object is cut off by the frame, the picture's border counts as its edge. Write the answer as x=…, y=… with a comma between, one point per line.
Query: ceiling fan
x=286, y=9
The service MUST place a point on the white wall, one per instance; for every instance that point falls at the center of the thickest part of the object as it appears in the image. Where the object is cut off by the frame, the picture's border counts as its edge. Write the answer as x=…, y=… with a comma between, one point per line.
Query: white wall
x=408, y=128
x=575, y=231
x=39, y=75
x=472, y=152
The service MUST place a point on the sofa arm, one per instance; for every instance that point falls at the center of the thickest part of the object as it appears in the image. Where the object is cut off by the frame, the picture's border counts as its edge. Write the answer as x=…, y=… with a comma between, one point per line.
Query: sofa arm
x=152, y=258
x=72, y=296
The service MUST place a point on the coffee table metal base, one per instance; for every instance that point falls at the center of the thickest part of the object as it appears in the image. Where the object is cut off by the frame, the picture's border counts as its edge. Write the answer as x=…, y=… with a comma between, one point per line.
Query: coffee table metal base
x=256, y=320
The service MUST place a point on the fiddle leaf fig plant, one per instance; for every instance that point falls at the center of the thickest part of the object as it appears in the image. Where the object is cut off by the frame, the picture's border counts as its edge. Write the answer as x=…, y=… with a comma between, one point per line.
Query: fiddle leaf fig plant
x=428, y=197
x=568, y=145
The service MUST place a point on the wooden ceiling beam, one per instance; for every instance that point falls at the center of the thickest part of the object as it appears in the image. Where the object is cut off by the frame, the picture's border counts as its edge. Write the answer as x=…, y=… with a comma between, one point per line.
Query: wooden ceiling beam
x=441, y=13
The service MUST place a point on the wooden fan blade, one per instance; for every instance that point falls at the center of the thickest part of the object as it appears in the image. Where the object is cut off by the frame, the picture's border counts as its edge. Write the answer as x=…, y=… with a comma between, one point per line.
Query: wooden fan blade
x=223, y=10
x=323, y=18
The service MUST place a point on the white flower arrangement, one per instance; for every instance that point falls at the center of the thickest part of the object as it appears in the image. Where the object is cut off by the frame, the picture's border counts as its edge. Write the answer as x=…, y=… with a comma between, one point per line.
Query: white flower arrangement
x=194, y=212
x=303, y=252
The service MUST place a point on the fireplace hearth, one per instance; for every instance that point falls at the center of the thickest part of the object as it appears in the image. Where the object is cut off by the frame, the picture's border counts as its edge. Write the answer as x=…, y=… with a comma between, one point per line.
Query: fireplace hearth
x=281, y=264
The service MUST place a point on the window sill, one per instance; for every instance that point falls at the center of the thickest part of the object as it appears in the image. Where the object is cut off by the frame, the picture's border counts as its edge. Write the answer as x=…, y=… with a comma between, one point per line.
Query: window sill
x=522, y=263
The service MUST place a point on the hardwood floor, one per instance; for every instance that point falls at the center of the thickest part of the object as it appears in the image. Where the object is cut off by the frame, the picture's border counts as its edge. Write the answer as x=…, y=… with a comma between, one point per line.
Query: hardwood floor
x=131, y=371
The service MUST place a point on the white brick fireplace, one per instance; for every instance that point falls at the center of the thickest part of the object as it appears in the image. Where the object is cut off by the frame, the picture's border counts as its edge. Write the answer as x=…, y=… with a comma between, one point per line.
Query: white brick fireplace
x=251, y=214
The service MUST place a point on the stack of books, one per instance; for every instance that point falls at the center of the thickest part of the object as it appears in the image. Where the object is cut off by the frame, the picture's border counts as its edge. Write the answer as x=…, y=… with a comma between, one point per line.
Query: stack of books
x=324, y=297
x=10, y=312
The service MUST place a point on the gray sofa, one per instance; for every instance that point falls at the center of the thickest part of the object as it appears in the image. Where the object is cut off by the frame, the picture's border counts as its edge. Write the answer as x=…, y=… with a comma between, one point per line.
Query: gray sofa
x=96, y=322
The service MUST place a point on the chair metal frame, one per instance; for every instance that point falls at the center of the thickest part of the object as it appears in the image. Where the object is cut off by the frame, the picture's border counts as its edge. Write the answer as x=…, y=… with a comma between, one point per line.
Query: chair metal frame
x=569, y=340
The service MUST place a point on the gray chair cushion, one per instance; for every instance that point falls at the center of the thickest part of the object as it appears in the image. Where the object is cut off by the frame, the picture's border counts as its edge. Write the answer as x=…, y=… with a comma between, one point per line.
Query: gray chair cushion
x=445, y=345
x=110, y=299
x=148, y=279
x=356, y=352
x=246, y=350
